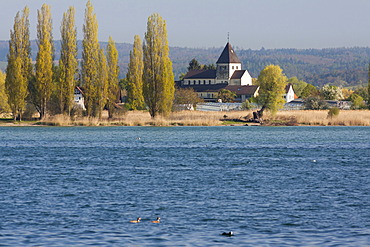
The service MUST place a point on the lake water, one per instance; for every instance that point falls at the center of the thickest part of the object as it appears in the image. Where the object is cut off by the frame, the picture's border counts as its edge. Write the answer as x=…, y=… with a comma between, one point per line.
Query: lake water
x=278, y=186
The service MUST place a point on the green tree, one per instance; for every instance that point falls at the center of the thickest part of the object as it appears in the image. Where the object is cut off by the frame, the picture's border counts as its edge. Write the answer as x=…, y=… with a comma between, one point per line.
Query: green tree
x=194, y=65
x=68, y=62
x=209, y=66
x=298, y=85
x=158, y=78
x=135, y=98
x=309, y=91
x=226, y=95
x=272, y=84
x=90, y=57
x=19, y=68
x=357, y=101
x=44, y=60
x=4, y=107
x=113, y=71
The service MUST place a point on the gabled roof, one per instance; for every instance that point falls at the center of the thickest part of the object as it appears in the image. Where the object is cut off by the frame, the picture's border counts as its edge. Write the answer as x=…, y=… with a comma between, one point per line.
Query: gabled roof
x=288, y=87
x=201, y=74
x=80, y=90
x=243, y=90
x=203, y=88
x=238, y=74
x=228, y=55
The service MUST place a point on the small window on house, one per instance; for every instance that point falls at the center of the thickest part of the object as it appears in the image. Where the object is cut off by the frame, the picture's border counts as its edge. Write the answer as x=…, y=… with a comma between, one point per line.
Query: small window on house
x=209, y=81
x=194, y=82
x=237, y=67
x=199, y=82
x=232, y=67
x=204, y=81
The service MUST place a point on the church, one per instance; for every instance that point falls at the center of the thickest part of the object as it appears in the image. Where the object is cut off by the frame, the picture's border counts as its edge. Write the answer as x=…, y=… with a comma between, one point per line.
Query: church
x=227, y=75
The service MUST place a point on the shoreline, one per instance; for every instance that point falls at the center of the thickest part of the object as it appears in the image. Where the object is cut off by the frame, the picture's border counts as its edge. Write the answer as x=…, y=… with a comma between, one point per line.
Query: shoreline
x=197, y=118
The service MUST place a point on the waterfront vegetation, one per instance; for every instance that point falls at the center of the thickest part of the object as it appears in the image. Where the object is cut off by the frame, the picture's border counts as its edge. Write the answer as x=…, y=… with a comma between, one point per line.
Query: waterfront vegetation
x=198, y=118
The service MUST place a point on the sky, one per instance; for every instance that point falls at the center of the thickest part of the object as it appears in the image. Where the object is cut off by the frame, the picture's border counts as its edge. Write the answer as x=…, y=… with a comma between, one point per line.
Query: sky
x=251, y=24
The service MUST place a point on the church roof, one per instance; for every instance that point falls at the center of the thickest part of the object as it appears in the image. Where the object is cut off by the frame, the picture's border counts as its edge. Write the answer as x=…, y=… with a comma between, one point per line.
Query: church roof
x=228, y=55
x=201, y=74
x=203, y=88
x=238, y=74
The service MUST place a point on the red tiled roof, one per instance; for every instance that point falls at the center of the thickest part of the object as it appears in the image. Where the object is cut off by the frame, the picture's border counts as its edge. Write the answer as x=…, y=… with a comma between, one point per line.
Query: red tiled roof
x=243, y=90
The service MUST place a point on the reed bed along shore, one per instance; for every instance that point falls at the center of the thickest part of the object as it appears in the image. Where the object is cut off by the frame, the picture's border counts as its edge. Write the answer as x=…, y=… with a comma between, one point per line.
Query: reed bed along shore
x=198, y=118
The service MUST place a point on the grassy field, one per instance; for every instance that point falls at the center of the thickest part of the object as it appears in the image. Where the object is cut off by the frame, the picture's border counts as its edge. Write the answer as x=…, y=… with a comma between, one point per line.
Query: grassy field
x=197, y=118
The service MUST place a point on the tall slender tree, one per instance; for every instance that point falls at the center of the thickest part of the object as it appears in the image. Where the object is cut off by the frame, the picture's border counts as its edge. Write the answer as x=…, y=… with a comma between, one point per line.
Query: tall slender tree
x=90, y=56
x=113, y=71
x=4, y=107
x=101, y=85
x=158, y=79
x=368, y=90
x=44, y=60
x=134, y=76
x=68, y=62
x=19, y=68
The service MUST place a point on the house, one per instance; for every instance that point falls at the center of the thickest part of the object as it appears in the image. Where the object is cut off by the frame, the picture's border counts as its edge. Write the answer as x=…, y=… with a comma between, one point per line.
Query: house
x=79, y=98
x=289, y=93
x=227, y=75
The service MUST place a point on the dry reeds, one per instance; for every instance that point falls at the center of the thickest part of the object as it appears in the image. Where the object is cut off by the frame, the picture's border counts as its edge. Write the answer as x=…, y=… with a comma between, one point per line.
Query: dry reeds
x=198, y=118
x=344, y=118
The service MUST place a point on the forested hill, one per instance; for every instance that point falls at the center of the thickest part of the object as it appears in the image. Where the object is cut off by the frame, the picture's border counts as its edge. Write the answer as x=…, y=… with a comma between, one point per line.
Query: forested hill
x=336, y=66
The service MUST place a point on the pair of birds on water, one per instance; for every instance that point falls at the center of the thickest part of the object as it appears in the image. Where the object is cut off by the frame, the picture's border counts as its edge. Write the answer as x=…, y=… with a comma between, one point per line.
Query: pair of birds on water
x=158, y=220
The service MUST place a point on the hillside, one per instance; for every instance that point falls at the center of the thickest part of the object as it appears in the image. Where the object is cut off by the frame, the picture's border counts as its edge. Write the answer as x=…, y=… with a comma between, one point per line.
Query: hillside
x=338, y=66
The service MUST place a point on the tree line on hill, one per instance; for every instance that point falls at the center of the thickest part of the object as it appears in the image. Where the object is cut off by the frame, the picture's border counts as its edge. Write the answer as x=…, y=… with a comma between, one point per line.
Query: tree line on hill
x=345, y=67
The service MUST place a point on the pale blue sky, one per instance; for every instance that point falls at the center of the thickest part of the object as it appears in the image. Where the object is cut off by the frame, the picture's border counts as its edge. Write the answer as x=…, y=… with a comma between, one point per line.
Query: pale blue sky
x=205, y=23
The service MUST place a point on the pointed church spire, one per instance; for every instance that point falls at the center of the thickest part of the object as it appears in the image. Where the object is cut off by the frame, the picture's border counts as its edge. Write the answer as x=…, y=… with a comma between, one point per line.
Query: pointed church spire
x=228, y=55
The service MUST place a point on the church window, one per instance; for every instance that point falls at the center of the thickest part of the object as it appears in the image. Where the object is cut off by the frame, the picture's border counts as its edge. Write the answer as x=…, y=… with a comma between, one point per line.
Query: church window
x=204, y=81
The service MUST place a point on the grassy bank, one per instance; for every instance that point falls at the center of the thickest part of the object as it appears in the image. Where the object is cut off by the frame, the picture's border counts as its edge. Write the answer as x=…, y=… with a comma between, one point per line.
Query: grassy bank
x=197, y=118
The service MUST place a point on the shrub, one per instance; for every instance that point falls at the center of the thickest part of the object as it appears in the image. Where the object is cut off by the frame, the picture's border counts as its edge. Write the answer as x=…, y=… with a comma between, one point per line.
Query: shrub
x=246, y=105
x=333, y=112
x=315, y=103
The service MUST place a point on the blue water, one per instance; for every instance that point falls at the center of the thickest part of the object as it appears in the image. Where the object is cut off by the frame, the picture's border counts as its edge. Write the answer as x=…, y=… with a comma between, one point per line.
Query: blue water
x=278, y=186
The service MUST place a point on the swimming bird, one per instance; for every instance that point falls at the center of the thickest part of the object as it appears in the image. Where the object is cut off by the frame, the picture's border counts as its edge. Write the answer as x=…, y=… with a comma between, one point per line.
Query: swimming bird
x=157, y=221
x=227, y=234
x=135, y=221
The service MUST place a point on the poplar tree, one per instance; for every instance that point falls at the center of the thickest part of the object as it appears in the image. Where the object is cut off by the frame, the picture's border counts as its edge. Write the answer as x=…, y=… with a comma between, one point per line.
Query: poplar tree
x=272, y=84
x=158, y=79
x=134, y=76
x=44, y=61
x=19, y=68
x=90, y=56
x=101, y=85
x=368, y=90
x=4, y=107
x=113, y=71
x=68, y=62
